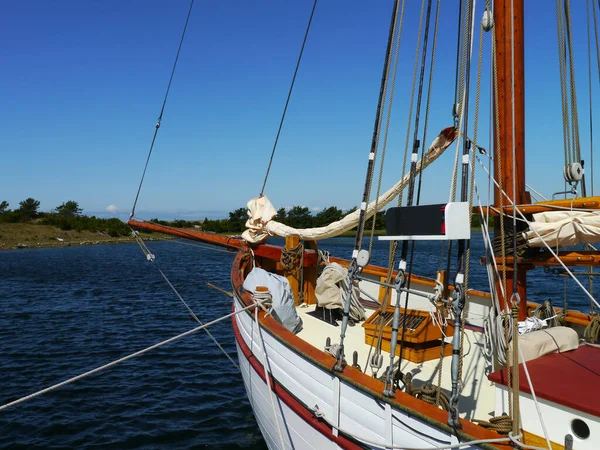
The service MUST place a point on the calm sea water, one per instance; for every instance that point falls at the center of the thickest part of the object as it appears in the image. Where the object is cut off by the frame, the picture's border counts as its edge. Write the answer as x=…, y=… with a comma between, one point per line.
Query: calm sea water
x=67, y=310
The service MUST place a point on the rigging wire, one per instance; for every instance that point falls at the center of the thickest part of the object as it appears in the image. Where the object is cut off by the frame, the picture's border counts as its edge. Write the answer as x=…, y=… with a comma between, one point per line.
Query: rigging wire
x=398, y=35
x=458, y=302
x=589, y=55
x=550, y=249
x=563, y=82
x=589, y=42
x=492, y=335
x=458, y=74
x=597, y=41
x=376, y=133
x=204, y=247
x=151, y=257
x=404, y=251
x=162, y=109
x=438, y=391
x=352, y=269
x=125, y=358
x=181, y=231
x=515, y=297
x=393, y=248
x=394, y=244
x=386, y=296
x=574, y=113
x=412, y=99
x=287, y=102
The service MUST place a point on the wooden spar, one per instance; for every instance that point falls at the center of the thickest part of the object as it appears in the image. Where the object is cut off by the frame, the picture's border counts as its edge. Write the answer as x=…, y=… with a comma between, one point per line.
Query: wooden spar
x=582, y=258
x=195, y=235
x=271, y=252
x=510, y=123
x=550, y=205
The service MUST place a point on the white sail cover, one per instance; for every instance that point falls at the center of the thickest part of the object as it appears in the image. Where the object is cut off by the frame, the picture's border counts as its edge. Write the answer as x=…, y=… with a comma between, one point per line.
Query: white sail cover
x=261, y=211
x=564, y=228
x=284, y=308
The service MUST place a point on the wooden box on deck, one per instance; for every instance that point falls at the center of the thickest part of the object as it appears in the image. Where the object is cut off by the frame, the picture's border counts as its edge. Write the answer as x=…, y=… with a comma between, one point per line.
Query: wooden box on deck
x=422, y=337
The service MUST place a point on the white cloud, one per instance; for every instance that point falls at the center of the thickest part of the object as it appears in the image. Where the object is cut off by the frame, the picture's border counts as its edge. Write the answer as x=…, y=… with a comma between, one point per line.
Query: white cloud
x=112, y=209
x=315, y=209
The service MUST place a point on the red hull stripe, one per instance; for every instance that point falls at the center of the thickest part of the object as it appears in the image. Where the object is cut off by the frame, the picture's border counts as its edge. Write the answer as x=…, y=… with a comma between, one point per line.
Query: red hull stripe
x=294, y=404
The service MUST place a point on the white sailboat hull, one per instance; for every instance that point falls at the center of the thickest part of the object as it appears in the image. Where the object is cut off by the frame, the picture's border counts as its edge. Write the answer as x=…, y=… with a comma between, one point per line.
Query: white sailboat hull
x=286, y=414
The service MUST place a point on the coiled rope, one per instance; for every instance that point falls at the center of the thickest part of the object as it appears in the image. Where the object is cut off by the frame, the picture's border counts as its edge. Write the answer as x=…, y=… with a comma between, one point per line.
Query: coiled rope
x=500, y=424
x=292, y=260
x=290, y=257
x=592, y=331
x=545, y=311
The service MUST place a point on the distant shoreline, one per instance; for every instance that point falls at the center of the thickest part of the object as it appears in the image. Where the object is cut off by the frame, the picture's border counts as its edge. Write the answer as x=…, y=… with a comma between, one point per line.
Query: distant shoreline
x=28, y=236
x=22, y=236
x=57, y=244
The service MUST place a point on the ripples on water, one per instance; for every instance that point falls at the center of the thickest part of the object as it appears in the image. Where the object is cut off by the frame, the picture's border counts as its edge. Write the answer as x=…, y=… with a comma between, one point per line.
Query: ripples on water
x=67, y=310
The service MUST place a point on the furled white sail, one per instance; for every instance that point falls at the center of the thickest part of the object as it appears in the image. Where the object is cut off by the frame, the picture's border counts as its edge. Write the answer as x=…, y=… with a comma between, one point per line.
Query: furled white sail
x=564, y=228
x=261, y=211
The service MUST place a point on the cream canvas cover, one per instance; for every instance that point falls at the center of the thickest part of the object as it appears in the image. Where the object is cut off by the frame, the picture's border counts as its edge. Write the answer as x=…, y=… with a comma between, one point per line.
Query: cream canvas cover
x=261, y=211
x=564, y=228
x=330, y=290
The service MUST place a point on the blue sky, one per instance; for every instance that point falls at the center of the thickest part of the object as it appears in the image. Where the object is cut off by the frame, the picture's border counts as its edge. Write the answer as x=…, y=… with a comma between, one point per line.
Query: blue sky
x=83, y=83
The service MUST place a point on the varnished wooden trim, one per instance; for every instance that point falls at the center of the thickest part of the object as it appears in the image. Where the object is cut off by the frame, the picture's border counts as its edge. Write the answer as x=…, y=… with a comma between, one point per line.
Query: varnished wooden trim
x=365, y=383
x=549, y=205
x=539, y=441
x=233, y=243
x=382, y=273
x=546, y=259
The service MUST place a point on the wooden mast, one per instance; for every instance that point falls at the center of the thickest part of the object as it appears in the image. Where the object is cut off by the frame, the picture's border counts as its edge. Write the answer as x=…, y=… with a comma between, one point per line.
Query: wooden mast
x=510, y=123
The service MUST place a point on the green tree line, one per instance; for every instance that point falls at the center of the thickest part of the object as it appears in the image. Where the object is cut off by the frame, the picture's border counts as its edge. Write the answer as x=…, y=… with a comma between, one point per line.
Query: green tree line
x=297, y=217
x=67, y=216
